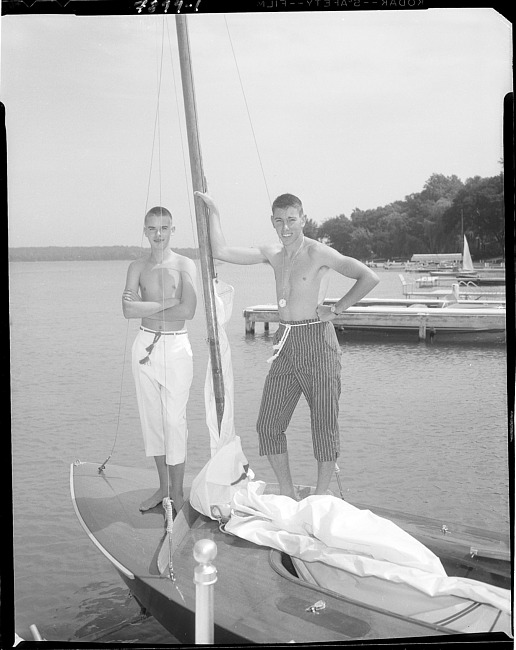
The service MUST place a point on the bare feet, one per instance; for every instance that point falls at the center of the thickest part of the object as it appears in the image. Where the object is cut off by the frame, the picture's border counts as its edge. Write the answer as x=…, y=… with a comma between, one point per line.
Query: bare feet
x=153, y=501
x=303, y=492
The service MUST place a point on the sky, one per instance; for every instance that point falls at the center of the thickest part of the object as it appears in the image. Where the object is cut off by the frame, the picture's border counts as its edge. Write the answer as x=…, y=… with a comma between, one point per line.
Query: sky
x=344, y=109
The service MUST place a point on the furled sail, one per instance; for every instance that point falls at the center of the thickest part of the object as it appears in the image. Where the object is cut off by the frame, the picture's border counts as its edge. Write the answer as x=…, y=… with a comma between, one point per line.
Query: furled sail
x=227, y=470
x=327, y=529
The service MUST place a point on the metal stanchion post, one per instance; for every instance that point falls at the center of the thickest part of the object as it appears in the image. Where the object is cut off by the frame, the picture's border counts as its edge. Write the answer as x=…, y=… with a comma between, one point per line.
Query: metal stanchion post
x=205, y=577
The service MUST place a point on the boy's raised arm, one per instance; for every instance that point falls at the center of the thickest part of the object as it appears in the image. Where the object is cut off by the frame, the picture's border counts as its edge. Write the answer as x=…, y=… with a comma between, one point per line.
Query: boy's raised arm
x=221, y=251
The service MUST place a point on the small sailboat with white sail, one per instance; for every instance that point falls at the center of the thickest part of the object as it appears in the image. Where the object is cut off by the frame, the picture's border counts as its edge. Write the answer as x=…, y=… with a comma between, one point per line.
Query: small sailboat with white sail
x=465, y=268
x=477, y=276
x=467, y=262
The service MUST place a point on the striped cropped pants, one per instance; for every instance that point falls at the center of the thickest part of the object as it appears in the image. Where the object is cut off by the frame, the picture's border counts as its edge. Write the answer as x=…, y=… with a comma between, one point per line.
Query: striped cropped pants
x=307, y=362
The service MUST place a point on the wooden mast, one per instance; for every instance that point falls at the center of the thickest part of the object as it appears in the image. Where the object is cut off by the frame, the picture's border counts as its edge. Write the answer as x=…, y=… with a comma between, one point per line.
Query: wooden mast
x=201, y=213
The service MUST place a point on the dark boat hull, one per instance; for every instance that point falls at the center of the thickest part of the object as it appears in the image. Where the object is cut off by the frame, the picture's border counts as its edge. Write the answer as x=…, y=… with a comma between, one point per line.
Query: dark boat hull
x=257, y=600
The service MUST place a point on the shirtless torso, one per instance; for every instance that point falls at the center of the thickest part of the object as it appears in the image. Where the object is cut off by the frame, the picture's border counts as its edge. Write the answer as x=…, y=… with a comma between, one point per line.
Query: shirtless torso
x=301, y=269
x=301, y=265
x=301, y=282
x=162, y=291
x=157, y=282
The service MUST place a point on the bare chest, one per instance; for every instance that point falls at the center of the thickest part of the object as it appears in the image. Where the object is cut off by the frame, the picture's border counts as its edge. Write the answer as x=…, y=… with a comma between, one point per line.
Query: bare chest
x=300, y=271
x=158, y=282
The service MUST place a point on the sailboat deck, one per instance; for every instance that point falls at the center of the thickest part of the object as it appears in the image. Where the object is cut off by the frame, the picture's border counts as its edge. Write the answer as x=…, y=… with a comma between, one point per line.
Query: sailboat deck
x=250, y=592
x=254, y=587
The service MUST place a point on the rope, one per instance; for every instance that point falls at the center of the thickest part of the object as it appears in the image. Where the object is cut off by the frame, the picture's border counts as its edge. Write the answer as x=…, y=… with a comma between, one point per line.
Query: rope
x=164, y=413
x=103, y=466
x=155, y=130
x=248, y=112
x=169, y=523
x=337, y=475
x=156, y=142
x=167, y=501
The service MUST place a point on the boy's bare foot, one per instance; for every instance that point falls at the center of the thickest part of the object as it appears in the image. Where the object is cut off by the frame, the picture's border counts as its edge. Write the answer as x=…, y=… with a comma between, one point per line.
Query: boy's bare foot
x=289, y=493
x=153, y=501
x=303, y=492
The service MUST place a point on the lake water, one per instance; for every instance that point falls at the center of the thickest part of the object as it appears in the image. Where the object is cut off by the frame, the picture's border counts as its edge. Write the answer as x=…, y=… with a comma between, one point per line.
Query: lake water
x=423, y=429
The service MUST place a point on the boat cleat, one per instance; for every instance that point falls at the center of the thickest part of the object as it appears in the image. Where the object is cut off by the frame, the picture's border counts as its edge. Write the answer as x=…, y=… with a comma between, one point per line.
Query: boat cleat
x=316, y=607
x=445, y=529
x=222, y=513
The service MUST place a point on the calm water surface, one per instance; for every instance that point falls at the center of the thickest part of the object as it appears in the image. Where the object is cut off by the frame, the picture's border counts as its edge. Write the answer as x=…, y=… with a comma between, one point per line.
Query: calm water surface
x=423, y=429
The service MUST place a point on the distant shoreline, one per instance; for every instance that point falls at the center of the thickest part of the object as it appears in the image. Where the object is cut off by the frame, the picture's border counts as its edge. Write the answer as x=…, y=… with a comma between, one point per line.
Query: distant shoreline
x=85, y=253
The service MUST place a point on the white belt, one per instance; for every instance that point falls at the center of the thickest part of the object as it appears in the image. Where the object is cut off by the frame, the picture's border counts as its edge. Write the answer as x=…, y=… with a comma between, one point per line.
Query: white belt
x=165, y=332
x=288, y=326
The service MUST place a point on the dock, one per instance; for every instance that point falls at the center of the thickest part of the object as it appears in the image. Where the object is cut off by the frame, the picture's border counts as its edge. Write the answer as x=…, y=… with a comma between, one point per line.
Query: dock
x=477, y=280
x=403, y=314
x=431, y=287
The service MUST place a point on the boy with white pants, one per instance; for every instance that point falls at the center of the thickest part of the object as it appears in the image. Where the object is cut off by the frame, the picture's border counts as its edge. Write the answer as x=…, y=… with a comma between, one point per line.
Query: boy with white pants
x=160, y=289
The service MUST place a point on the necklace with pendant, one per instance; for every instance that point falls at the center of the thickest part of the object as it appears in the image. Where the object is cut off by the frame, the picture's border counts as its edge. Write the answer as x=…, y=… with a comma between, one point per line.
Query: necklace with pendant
x=283, y=300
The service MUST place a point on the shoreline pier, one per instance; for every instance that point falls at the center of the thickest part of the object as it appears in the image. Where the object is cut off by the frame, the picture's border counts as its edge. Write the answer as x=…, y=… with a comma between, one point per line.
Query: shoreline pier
x=427, y=316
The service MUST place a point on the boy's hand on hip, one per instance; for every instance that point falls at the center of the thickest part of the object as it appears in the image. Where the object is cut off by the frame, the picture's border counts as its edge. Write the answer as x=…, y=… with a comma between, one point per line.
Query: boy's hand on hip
x=324, y=313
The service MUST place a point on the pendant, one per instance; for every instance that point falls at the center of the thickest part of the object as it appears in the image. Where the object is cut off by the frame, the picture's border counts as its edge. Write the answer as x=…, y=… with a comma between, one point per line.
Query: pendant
x=283, y=302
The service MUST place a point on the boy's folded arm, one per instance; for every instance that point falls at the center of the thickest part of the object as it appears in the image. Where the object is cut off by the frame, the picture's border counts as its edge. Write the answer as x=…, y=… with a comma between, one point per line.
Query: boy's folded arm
x=138, y=308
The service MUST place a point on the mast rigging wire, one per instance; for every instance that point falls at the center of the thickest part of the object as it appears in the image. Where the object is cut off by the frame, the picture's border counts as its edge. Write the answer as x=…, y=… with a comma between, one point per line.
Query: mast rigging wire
x=248, y=111
x=156, y=144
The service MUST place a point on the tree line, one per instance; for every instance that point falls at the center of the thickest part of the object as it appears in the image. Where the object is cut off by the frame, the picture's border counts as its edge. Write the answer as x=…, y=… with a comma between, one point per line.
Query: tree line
x=431, y=221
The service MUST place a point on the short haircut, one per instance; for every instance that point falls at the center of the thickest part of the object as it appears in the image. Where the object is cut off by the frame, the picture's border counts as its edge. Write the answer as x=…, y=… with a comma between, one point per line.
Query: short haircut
x=285, y=201
x=158, y=211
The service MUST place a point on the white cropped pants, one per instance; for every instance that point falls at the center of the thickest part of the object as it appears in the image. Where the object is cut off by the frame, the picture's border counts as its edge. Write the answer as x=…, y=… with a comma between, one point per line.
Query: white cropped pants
x=162, y=367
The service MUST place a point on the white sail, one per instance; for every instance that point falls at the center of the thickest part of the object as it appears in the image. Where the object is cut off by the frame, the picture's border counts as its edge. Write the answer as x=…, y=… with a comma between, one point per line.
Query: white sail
x=227, y=470
x=329, y=530
x=467, y=262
